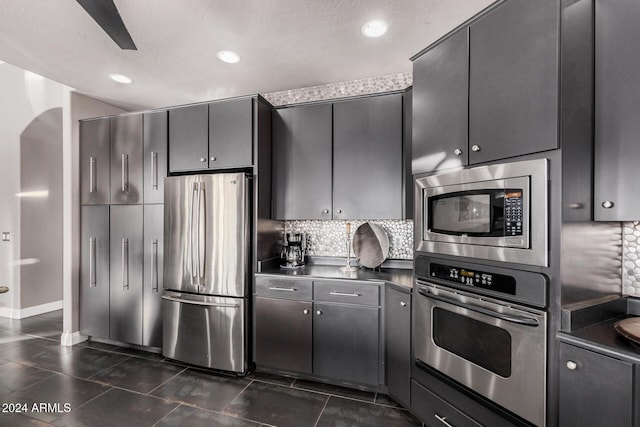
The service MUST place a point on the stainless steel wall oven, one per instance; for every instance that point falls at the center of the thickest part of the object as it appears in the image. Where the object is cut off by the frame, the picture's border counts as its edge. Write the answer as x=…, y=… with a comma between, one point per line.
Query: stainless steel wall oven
x=496, y=212
x=486, y=328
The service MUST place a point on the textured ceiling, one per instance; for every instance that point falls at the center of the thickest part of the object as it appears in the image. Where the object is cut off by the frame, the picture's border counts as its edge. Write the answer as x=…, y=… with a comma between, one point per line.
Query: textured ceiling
x=284, y=44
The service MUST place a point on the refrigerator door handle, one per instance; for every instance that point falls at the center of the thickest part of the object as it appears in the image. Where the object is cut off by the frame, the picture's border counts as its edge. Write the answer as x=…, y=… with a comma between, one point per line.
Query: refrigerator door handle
x=154, y=170
x=93, y=165
x=92, y=262
x=202, y=233
x=209, y=304
x=154, y=266
x=125, y=264
x=125, y=172
x=192, y=254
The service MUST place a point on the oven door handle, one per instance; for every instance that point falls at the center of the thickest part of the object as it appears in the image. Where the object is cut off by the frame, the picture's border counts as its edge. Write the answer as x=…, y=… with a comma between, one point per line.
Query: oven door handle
x=522, y=320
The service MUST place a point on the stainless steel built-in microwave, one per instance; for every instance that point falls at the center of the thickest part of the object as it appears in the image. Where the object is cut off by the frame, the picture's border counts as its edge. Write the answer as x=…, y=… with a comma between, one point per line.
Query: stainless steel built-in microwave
x=497, y=212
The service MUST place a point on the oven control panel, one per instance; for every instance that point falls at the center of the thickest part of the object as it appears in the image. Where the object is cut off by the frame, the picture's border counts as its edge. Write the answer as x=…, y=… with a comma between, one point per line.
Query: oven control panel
x=478, y=279
x=513, y=213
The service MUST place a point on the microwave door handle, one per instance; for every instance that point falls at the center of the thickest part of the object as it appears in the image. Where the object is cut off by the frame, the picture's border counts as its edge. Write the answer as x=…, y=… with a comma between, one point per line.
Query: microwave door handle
x=522, y=320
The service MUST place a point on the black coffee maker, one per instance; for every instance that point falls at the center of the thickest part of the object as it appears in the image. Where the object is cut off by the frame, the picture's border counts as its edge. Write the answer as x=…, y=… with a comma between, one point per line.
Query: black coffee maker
x=293, y=252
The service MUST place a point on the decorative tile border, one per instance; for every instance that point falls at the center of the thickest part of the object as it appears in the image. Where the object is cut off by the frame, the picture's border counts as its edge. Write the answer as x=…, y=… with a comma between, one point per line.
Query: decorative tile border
x=328, y=238
x=366, y=86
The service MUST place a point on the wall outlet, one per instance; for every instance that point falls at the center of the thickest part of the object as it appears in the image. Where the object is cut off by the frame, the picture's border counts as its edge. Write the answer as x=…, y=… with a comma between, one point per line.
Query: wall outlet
x=6, y=236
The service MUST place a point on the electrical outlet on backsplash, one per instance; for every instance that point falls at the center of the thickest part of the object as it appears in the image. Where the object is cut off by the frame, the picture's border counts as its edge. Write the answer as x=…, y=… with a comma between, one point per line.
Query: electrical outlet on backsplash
x=328, y=237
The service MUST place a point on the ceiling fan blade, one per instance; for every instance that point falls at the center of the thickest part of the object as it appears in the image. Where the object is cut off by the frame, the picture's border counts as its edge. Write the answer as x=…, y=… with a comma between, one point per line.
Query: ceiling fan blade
x=105, y=13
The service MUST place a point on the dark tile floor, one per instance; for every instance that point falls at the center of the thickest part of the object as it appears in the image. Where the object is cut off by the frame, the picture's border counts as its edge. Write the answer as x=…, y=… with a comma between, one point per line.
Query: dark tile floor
x=96, y=384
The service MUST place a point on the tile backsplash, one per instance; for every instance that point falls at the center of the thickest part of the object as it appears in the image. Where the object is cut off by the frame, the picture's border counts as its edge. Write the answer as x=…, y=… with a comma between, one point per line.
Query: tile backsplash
x=631, y=258
x=328, y=238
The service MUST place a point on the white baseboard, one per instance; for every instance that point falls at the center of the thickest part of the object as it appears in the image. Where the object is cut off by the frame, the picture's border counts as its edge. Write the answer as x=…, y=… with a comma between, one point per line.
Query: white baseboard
x=74, y=338
x=17, y=313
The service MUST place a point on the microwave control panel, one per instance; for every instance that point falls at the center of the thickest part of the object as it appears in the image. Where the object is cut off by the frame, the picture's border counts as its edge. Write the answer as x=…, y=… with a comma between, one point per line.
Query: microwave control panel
x=513, y=213
x=479, y=279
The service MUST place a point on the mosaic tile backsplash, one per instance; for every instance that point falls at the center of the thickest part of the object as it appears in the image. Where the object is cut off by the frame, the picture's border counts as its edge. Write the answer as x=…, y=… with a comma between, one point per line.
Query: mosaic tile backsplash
x=328, y=238
x=631, y=258
x=366, y=86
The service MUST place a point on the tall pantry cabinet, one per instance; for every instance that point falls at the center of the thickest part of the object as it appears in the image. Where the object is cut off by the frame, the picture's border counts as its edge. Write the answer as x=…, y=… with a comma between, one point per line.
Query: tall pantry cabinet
x=123, y=164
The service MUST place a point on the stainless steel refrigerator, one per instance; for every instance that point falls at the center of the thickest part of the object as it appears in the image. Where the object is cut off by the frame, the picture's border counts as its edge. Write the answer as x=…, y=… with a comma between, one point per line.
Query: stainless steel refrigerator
x=206, y=270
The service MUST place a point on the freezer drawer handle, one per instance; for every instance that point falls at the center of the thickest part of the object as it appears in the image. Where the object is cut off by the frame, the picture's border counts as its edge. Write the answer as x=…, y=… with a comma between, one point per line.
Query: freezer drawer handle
x=209, y=304
x=522, y=320
x=277, y=288
x=344, y=294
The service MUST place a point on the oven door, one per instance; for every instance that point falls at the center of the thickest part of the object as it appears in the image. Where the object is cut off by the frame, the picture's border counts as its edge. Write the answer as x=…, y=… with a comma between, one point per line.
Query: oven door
x=496, y=349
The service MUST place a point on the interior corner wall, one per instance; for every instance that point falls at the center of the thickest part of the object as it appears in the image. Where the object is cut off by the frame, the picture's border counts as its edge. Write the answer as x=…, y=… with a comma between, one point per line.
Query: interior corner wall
x=25, y=97
x=76, y=107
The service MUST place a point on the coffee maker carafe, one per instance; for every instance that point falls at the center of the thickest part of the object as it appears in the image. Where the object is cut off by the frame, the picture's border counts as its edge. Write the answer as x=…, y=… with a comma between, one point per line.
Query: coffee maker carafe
x=293, y=251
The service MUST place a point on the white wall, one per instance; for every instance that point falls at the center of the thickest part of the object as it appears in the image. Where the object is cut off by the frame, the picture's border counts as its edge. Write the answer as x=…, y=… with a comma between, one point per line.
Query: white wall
x=23, y=97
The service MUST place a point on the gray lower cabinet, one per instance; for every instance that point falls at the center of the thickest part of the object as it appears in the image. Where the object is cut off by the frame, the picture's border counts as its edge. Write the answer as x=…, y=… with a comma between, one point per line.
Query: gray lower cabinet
x=94, y=271
x=231, y=133
x=302, y=162
x=440, y=106
x=188, y=138
x=283, y=334
x=514, y=80
x=95, y=163
x=152, y=275
x=595, y=390
x=155, y=155
x=397, y=310
x=125, y=276
x=345, y=342
x=126, y=159
x=617, y=90
x=367, y=158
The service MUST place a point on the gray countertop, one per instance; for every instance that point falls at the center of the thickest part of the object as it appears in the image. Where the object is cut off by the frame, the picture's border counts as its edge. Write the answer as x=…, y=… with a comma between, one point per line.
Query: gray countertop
x=401, y=278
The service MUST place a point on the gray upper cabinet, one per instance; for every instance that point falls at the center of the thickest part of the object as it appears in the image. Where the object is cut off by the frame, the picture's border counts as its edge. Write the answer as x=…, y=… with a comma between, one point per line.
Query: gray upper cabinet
x=514, y=80
x=94, y=272
x=188, y=138
x=398, y=345
x=407, y=108
x=125, y=276
x=617, y=128
x=94, y=162
x=126, y=159
x=367, y=158
x=302, y=162
x=231, y=133
x=440, y=105
x=152, y=289
x=595, y=390
x=155, y=156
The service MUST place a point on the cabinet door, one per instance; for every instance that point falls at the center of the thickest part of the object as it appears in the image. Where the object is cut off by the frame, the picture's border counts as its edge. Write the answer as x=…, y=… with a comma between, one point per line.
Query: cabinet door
x=94, y=162
x=152, y=290
x=126, y=159
x=155, y=156
x=595, y=390
x=617, y=90
x=513, y=81
x=94, y=271
x=188, y=138
x=345, y=342
x=367, y=158
x=407, y=114
x=302, y=162
x=441, y=105
x=125, y=291
x=231, y=133
x=283, y=334
x=398, y=344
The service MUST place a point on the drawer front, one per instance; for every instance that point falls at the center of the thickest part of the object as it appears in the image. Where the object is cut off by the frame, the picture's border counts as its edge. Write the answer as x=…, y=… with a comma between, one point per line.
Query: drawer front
x=274, y=287
x=434, y=411
x=347, y=292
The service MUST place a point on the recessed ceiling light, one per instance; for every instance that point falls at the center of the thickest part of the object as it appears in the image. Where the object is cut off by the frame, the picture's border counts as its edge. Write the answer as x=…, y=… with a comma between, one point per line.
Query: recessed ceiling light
x=228, y=56
x=120, y=78
x=375, y=28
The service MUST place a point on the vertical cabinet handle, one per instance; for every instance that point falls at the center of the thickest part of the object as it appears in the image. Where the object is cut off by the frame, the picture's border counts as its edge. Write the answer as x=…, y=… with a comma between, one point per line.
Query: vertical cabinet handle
x=92, y=262
x=125, y=172
x=125, y=264
x=154, y=266
x=92, y=175
x=154, y=170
